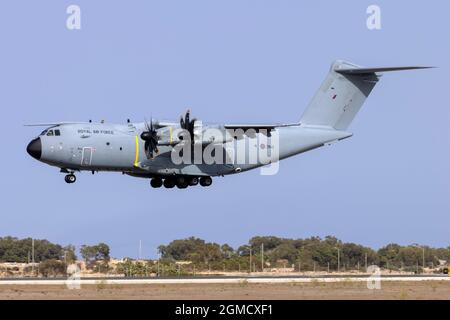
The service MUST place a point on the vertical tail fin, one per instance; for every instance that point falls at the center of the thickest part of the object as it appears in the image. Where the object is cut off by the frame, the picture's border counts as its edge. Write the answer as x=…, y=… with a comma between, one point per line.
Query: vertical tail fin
x=342, y=94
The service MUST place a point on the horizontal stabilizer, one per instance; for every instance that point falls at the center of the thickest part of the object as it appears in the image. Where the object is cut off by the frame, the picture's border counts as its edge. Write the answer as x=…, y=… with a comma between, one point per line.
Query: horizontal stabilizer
x=357, y=71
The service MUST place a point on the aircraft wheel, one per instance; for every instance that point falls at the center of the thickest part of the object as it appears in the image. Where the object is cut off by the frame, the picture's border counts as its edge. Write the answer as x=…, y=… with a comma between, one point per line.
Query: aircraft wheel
x=70, y=178
x=205, y=181
x=182, y=183
x=156, y=182
x=169, y=183
x=193, y=181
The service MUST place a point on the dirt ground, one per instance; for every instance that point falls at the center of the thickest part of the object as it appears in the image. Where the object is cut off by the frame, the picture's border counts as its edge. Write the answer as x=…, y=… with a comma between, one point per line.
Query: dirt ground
x=350, y=290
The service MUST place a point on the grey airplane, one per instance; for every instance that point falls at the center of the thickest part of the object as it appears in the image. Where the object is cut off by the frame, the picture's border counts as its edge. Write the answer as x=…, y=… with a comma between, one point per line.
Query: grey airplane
x=147, y=149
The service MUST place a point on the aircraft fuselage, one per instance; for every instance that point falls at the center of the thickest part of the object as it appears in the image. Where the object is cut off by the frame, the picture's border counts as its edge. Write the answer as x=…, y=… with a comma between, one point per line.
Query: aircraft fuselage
x=118, y=147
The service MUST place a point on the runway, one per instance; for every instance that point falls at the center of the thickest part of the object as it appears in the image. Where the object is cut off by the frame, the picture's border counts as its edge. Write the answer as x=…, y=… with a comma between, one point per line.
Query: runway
x=222, y=280
x=351, y=287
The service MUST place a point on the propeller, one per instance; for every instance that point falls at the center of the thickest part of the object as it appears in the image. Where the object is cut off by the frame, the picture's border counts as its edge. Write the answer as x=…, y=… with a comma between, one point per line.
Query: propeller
x=188, y=124
x=150, y=137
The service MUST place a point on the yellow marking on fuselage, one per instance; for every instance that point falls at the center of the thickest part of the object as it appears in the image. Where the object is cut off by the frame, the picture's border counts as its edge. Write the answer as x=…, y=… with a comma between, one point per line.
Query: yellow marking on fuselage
x=136, y=159
x=170, y=139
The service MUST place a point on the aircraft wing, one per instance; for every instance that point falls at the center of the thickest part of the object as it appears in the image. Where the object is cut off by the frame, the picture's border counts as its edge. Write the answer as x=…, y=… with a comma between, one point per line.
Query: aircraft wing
x=265, y=129
x=251, y=126
x=52, y=124
x=258, y=127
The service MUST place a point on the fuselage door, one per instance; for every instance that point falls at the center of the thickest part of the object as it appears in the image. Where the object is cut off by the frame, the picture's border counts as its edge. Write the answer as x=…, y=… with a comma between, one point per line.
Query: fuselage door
x=86, y=157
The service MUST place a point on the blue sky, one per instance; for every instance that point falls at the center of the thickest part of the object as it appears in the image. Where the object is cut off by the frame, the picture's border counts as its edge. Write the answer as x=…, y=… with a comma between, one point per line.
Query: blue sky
x=231, y=61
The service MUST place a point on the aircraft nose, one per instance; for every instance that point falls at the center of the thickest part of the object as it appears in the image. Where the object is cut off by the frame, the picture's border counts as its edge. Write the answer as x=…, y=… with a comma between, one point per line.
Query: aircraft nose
x=34, y=148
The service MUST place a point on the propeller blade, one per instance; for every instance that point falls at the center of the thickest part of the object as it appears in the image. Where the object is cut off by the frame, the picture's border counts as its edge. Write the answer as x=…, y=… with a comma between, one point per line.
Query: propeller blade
x=181, y=122
x=187, y=116
x=147, y=150
x=150, y=136
x=187, y=124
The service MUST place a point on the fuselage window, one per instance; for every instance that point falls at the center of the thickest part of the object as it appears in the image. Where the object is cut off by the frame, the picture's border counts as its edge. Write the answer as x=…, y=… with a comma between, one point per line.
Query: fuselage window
x=43, y=133
x=57, y=132
x=50, y=133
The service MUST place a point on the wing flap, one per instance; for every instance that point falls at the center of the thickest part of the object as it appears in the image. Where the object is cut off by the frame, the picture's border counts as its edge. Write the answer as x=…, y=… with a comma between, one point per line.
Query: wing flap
x=251, y=129
x=256, y=127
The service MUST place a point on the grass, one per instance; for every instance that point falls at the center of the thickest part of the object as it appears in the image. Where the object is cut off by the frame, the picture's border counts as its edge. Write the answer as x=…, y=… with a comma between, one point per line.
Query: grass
x=243, y=283
x=101, y=285
x=403, y=295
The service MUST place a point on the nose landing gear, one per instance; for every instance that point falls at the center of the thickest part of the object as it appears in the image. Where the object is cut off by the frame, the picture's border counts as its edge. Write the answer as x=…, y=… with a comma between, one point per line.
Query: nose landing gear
x=70, y=178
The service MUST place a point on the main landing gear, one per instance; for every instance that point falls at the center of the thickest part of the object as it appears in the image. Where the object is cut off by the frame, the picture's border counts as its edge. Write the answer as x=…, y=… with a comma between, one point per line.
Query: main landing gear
x=181, y=182
x=205, y=181
x=70, y=178
x=156, y=182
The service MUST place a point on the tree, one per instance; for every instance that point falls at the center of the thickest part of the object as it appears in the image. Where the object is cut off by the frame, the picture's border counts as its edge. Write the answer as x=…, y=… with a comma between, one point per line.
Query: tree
x=243, y=251
x=309, y=253
x=19, y=250
x=285, y=251
x=88, y=253
x=227, y=251
x=103, y=252
x=69, y=254
x=269, y=242
x=52, y=268
x=182, y=249
x=93, y=254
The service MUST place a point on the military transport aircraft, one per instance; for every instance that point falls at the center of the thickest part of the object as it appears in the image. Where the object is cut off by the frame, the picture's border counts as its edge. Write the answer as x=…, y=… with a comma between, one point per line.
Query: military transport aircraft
x=165, y=152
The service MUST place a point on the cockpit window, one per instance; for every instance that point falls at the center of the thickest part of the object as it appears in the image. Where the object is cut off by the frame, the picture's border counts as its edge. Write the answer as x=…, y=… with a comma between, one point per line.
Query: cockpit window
x=51, y=133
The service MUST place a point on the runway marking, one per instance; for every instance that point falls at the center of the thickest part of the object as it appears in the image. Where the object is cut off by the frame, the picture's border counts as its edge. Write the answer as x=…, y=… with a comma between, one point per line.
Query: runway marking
x=217, y=281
